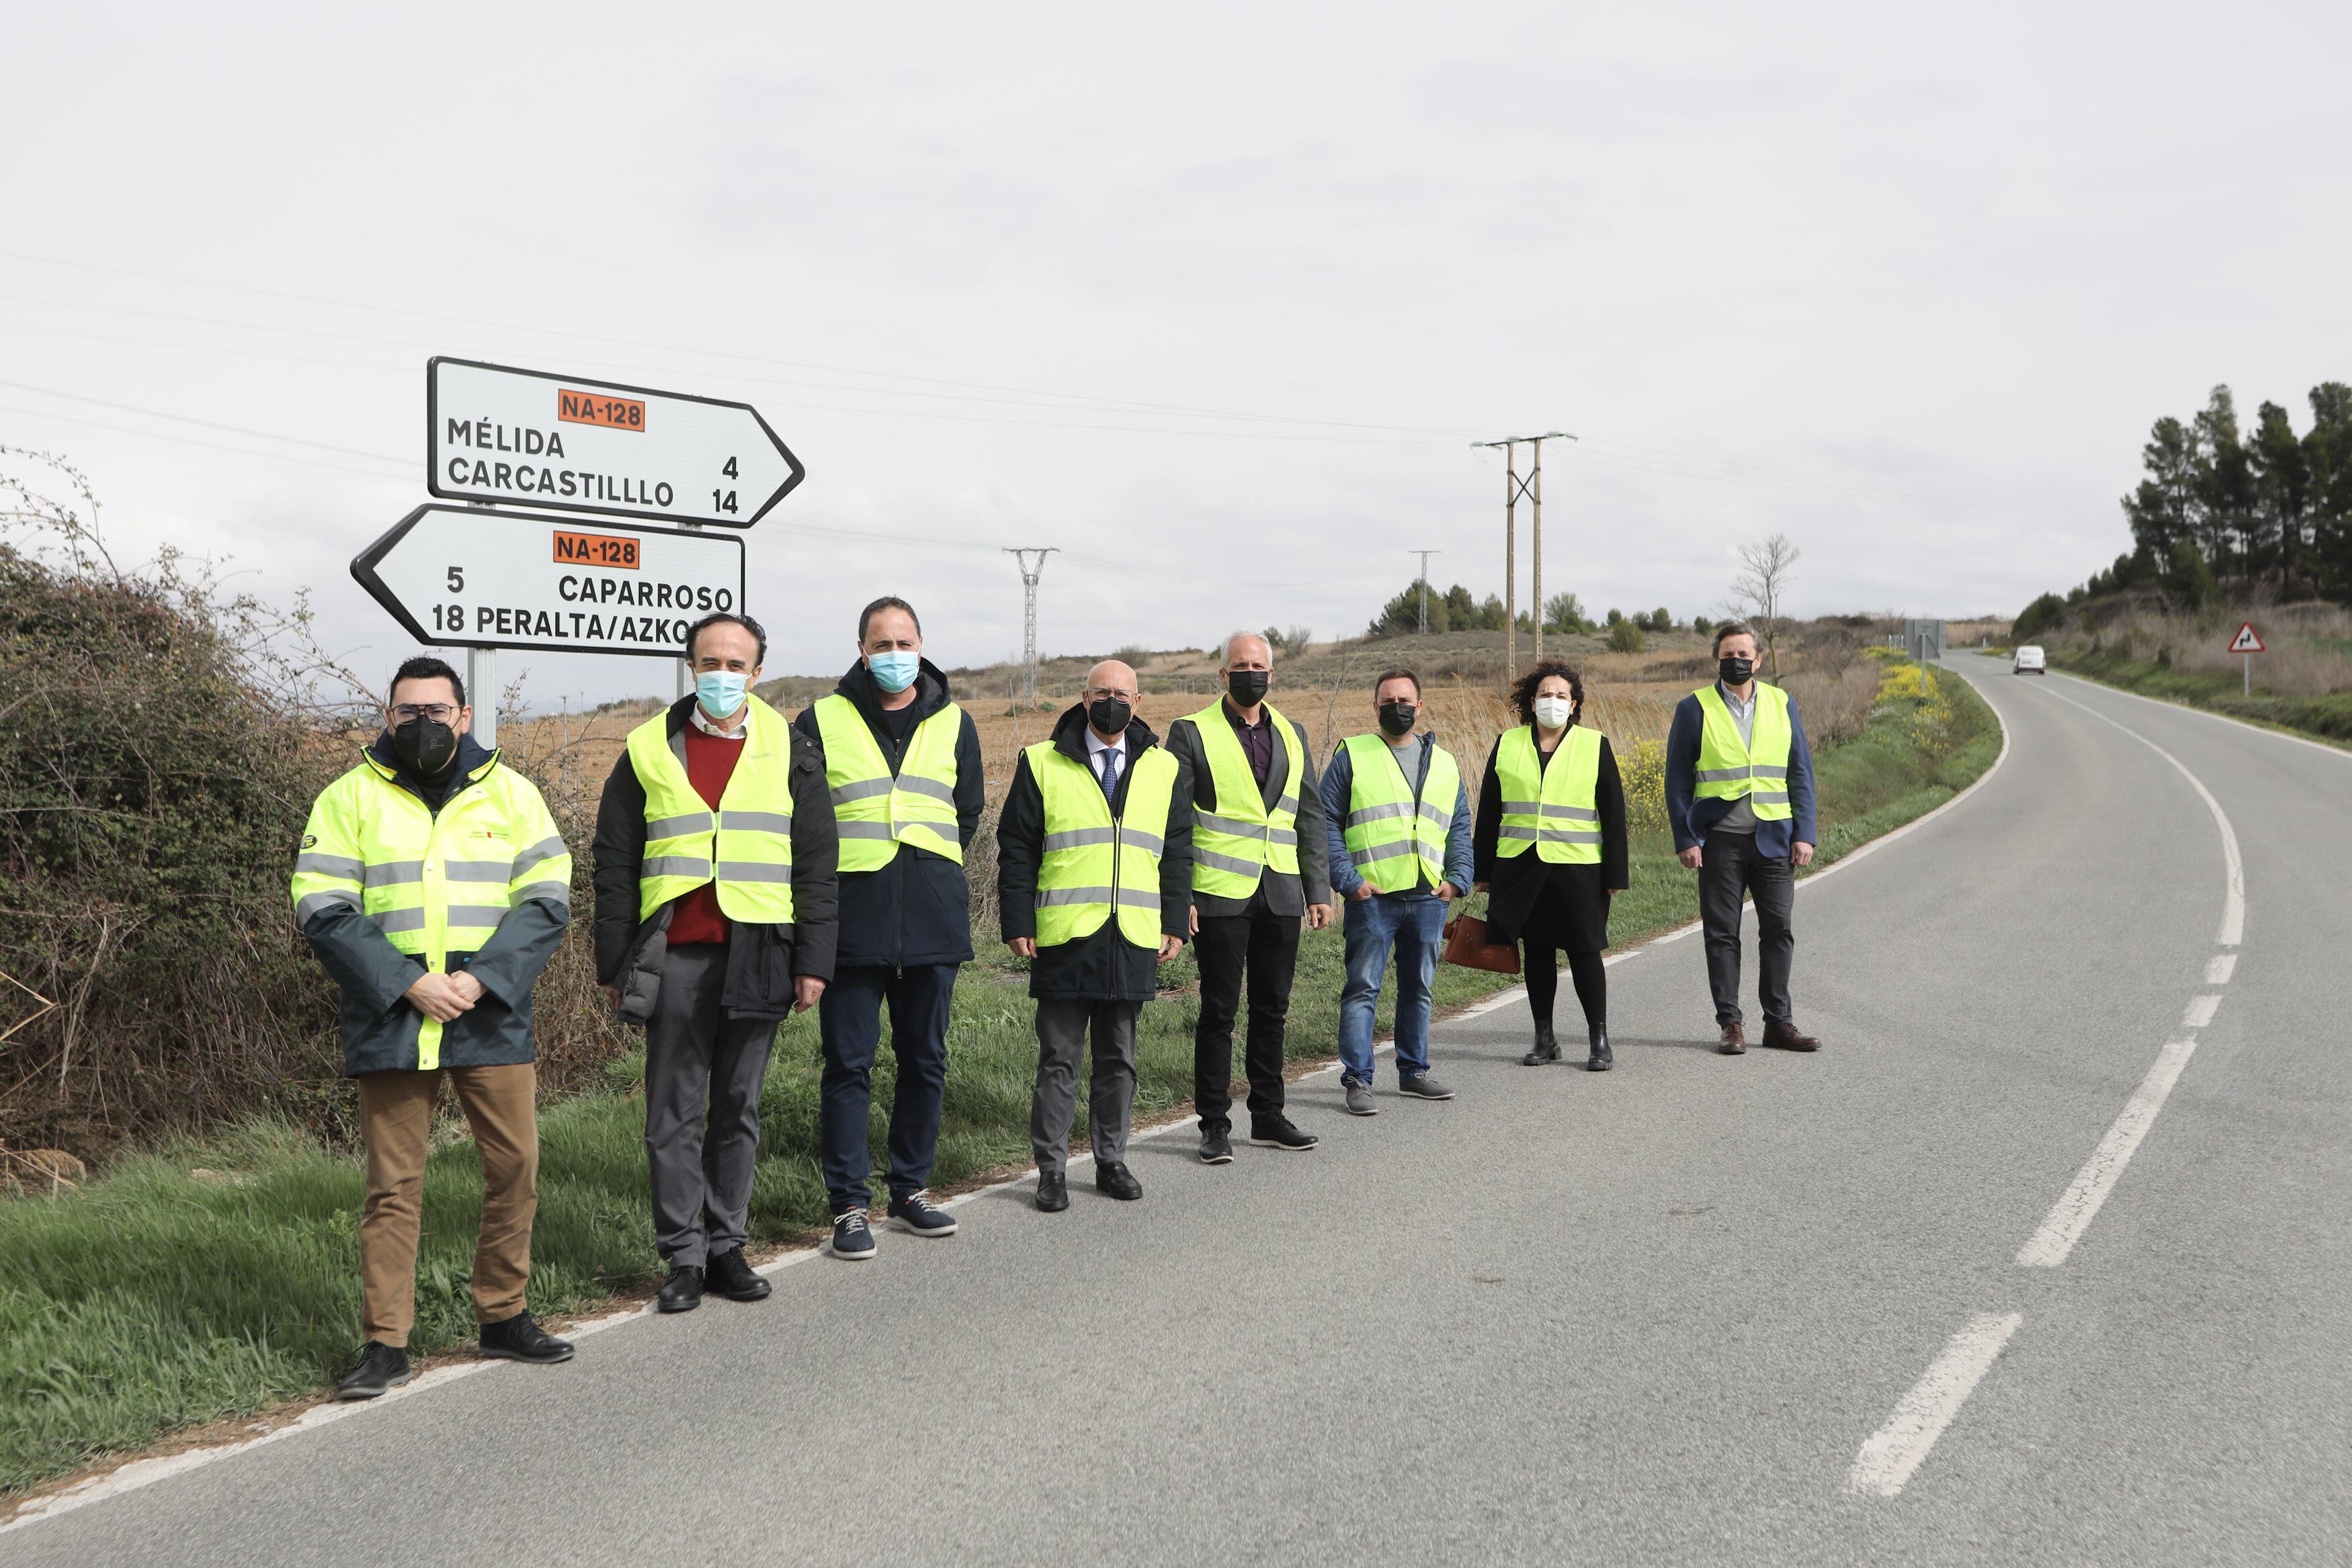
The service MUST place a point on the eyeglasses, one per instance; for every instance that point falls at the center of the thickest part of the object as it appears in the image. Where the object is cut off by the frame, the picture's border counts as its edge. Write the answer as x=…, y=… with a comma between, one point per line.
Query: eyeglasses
x=439, y=713
x=1095, y=693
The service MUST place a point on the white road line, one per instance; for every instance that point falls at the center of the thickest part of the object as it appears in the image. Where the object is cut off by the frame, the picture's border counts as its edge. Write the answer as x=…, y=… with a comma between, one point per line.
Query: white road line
x=1890, y=1454
x=2080, y=1204
x=2335, y=751
x=2233, y=900
x=2220, y=967
x=2201, y=1010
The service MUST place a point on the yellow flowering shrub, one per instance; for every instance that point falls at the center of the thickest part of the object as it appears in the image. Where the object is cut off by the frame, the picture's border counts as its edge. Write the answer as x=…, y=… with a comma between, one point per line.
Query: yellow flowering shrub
x=1641, y=767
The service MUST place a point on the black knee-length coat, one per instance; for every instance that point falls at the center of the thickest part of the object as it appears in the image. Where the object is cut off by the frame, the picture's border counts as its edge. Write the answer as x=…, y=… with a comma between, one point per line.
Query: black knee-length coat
x=1528, y=898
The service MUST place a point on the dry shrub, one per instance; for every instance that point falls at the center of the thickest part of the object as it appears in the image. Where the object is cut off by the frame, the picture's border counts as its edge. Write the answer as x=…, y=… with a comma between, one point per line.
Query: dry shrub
x=1835, y=707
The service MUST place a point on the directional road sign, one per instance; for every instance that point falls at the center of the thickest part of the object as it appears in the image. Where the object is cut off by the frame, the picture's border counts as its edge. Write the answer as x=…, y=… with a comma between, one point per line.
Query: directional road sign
x=468, y=577
x=498, y=434
x=2248, y=640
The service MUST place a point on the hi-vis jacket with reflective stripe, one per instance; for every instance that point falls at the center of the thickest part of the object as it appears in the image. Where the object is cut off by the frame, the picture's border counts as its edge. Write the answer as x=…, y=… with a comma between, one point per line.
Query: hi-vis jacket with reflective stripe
x=1394, y=839
x=1095, y=863
x=1235, y=843
x=1759, y=770
x=875, y=812
x=746, y=845
x=386, y=888
x=1550, y=805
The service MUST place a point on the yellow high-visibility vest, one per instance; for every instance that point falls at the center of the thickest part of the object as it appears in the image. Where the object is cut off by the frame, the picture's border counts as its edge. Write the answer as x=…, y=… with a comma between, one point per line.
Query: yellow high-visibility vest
x=1550, y=806
x=1233, y=846
x=1392, y=836
x=1095, y=863
x=1759, y=770
x=434, y=883
x=746, y=846
x=877, y=813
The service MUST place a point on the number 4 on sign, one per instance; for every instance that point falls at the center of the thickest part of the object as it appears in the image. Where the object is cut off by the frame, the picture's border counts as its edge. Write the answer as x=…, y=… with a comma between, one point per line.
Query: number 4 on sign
x=2247, y=640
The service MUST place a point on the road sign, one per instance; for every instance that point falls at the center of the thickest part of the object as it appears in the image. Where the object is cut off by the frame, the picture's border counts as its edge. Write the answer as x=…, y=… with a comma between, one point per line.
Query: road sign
x=493, y=432
x=466, y=577
x=2248, y=640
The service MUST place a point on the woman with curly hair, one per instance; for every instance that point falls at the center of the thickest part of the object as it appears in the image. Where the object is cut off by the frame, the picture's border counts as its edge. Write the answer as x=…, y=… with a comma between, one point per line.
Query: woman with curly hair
x=1549, y=848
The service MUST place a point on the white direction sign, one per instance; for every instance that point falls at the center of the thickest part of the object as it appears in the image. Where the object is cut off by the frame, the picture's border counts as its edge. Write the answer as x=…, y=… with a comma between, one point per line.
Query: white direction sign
x=498, y=434
x=465, y=577
x=2248, y=640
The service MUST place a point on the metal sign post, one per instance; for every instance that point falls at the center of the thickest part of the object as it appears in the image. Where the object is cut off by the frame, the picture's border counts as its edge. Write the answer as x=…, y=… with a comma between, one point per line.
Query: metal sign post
x=2248, y=642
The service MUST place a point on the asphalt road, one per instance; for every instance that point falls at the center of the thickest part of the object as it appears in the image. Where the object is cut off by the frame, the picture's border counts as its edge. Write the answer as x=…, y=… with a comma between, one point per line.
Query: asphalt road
x=1655, y=1316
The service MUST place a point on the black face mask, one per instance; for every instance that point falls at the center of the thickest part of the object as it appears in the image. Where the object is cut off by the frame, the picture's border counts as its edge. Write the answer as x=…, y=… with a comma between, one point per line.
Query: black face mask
x=1397, y=717
x=1735, y=671
x=1247, y=686
x=424, y=745
x=1109, y=715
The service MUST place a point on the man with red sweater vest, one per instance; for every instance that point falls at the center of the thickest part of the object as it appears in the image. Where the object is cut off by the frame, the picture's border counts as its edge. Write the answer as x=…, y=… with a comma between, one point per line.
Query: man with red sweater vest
x=715, y=858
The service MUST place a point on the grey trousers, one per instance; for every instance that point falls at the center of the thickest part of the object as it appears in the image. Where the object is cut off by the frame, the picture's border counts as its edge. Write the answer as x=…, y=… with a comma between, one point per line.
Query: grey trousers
x=1062, y=1029
x=701, y=1063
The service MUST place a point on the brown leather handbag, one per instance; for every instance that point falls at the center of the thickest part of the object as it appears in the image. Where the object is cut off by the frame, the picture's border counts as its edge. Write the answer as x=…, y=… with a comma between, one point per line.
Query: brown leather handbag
x=1466, y=945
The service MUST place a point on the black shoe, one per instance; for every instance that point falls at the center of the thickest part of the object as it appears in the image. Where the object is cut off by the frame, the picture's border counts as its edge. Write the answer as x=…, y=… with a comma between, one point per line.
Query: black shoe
x=853, y=1236
x=1216, y=1147
x=682, y=1291
x=730, y=1275
x=916, y=1215
x=1280, y=1134
x=1053, y=1191
x=381, y=1367
x=519, y=1339
x=1601, y=1058
x=1547, y=1048
x=1113, y=1179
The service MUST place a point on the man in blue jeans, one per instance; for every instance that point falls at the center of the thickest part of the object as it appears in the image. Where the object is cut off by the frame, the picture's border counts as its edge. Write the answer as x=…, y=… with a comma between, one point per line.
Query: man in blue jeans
x=1399, y=826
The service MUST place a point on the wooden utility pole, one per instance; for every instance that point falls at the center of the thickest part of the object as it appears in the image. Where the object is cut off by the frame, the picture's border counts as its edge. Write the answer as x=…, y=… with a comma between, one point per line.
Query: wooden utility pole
x=1513, y=488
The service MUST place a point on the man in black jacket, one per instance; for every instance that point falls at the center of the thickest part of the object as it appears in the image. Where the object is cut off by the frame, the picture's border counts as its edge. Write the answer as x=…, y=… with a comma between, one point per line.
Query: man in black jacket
x=1098, y=981
x=685, y=955
x=903, y=765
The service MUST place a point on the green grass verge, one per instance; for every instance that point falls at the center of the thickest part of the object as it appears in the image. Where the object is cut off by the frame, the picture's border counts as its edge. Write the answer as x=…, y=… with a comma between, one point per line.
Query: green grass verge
x=150, y=1300
x=2327, y=717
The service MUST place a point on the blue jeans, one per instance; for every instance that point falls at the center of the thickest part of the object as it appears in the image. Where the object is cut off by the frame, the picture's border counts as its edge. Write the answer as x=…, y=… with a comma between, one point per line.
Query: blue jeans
x=1413, y=924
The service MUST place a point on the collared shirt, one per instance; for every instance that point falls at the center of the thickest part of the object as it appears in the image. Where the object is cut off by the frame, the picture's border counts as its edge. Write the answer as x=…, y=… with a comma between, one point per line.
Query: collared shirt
x=709, y=726
x=1258, y=739
x=1096, y=746
x=1740, y=817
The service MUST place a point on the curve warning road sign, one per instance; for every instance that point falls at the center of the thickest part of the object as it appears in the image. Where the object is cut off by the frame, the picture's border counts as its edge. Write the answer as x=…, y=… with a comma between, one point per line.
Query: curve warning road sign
x=2248, y=640
x=493, y=432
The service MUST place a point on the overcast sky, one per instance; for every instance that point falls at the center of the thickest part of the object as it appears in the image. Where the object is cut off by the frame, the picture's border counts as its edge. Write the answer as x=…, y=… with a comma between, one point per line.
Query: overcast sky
x=1908, y=286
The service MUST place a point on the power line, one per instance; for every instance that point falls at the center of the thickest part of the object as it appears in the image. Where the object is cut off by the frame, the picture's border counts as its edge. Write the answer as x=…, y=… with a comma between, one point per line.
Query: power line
x=1513, y=488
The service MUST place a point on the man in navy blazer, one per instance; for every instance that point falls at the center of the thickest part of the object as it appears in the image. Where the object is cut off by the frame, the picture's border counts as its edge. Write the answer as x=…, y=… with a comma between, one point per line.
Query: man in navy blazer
x=1740, y=795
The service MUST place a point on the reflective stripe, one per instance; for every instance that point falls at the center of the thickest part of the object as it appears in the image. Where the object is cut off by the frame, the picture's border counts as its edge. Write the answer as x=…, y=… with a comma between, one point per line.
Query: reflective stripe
x=1513, y=831
x=477, y=914
x=1287, y=803
x=1075, y=838
x=1442, y=815
x=1057, y=895
x=1769, y=797
x=931, y=787
x=861, y=829
x=392, y=920
x=752, y=870
x=1720, y=775
x=389, y=873
x=861, y=789
x=1138, y=897
x=1521, y=807
x=1233, y=825
x=1574, y=813
x=693, y=866
x=679, y=827
x=1151, y=844
x=479, y=871
x=1216, y=861
x=1566, y=836
x=552, y=892
x=312, y=904
x=1762, y=770
x=755, y=821
x=545, y=849
x=318, y=864
x=1378, y=813
x=1384, y=851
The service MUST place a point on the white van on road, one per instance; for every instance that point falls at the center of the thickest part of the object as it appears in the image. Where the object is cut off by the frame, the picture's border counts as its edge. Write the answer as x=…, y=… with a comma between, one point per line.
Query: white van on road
x=2028, y=662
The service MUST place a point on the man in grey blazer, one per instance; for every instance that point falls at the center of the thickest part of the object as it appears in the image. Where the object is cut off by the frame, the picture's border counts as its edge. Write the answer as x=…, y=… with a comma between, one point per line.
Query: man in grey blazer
x=1261, y=862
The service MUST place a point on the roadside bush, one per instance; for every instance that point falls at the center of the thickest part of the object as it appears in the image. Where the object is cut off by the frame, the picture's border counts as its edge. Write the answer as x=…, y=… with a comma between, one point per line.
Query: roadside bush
x=1642, y=768
x=1625, y=637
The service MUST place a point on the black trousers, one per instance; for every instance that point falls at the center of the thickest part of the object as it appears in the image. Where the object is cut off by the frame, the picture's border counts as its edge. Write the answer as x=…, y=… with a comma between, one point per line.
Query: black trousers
x=1729, y=868
x=1540, y=961
x=1266, y=947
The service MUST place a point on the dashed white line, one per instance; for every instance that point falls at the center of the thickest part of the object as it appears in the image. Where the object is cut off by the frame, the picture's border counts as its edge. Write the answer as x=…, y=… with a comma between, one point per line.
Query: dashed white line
x=1890, y=1454
x=2079, y=1204
x=2220, y=967
x=2200, y=1009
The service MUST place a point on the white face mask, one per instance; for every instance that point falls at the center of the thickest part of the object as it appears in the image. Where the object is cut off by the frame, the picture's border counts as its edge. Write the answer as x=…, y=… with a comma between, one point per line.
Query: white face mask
x=1552, y=713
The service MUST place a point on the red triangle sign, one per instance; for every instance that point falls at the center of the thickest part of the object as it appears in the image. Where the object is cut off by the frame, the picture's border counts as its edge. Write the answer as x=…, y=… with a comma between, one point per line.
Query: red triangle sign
x=2247, y=640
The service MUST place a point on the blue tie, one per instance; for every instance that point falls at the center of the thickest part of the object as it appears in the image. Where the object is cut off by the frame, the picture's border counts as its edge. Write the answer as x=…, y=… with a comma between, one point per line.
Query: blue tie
x=1110, y=771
